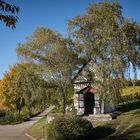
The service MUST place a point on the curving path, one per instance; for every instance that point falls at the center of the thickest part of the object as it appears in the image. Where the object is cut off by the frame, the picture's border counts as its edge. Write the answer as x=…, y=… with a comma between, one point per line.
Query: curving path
x=17, y=132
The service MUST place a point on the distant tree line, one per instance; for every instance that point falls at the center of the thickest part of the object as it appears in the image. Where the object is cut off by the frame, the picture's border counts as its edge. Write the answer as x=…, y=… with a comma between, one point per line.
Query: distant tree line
x=135, y=82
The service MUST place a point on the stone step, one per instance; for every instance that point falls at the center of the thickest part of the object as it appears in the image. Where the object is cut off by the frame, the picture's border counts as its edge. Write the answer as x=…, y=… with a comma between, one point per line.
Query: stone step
x=99, y=117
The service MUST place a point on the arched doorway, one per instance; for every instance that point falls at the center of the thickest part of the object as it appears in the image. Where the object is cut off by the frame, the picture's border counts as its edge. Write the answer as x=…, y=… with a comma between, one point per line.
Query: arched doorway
x=89, y=103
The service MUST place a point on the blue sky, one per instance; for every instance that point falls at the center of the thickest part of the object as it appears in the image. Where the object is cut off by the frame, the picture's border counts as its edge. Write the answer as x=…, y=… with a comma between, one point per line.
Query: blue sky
x=53, y=14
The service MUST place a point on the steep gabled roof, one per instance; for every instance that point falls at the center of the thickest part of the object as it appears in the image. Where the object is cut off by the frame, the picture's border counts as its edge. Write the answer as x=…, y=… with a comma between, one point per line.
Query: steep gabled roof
x=86, y=89
x=82, y=68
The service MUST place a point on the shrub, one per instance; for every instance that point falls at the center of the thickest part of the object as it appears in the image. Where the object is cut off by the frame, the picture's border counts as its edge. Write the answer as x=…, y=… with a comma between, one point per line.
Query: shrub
x=2, y=113
x=69, y=128
x=130, y=94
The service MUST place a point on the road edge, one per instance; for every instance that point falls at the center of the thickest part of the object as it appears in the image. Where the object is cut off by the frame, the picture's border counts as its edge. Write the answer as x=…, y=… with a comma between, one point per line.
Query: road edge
x=29, y=136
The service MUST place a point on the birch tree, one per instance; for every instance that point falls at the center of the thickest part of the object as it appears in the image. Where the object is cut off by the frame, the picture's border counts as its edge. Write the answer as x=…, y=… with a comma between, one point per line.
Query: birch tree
x=54, y=57
x=111, y=40
x=23, y=91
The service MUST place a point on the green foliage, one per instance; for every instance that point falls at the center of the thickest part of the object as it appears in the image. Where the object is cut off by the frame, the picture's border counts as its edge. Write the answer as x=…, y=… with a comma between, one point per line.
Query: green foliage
x=101, y=34
x=134, y=82
x=2, y=113
x=126, y=125
x=54, y=57
x=9, y=19
x=37, y=129
x=24, y=93
x=130, y=94
x=111, y=40
x=69, y=128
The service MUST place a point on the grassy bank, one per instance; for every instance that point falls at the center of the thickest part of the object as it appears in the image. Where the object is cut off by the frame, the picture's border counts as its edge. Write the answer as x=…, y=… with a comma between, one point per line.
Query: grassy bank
x=37, y=130
x=124, y=127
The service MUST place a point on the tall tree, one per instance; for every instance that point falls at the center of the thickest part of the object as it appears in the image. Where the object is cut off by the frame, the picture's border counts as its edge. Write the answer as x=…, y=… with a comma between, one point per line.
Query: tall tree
x=111, y=40
x=23, y=89
x=7, y=12
x=54, y=56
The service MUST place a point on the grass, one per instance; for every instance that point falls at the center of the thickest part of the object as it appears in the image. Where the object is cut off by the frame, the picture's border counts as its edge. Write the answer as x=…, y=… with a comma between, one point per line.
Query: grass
x=37, y=129
x=124, y=127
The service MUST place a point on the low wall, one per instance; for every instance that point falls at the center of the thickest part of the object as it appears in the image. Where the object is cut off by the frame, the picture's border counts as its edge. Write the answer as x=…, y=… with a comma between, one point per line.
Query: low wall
x=98, y=117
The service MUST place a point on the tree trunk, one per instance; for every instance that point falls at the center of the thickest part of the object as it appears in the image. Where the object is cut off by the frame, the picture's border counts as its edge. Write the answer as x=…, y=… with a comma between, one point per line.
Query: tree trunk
x=102, y=107
x=63, y=103
x=19, y=110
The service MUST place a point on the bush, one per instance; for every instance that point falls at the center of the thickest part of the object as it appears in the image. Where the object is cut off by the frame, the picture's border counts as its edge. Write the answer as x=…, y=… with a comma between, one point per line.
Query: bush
x=69, y=128
x=2, y=113
x=130, y=94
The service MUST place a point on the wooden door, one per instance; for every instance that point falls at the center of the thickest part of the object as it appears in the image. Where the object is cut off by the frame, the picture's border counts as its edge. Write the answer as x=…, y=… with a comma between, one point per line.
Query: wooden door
x=88, y=103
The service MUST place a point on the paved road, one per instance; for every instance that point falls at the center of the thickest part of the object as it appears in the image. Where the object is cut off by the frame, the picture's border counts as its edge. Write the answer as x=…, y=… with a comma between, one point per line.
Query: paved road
x=17, y=132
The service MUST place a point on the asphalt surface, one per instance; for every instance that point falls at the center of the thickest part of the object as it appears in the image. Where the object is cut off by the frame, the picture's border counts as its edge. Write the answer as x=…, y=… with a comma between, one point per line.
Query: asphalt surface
x=17, y=132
